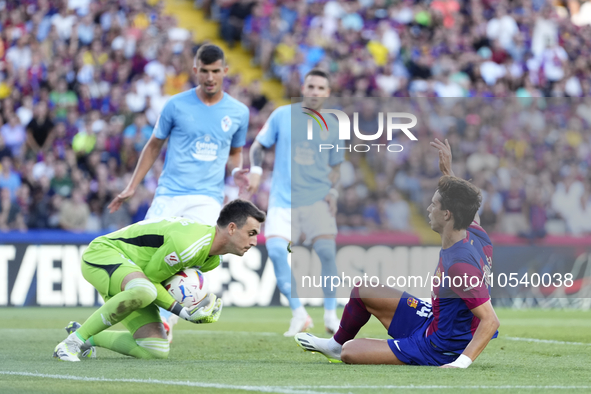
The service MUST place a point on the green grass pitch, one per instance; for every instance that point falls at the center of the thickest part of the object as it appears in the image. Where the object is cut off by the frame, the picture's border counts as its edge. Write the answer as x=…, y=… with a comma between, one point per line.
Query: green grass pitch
x=246, y=351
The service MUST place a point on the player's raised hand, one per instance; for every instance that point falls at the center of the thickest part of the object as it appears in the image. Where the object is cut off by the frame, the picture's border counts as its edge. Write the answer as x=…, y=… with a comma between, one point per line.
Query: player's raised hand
x=444, y=156
x=120, y=199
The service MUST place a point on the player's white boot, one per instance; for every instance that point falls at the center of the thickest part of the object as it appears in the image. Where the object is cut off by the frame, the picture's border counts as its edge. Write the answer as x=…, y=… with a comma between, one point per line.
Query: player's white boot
x=86, y=350
x=327, y=347
x=299, y=324
x=68, y=349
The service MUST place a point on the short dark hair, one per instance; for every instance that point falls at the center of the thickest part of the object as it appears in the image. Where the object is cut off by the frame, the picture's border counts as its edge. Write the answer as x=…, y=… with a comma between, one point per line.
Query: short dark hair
x=461, y=198
x=316, y=72
x=238, y=211
x=209, y=54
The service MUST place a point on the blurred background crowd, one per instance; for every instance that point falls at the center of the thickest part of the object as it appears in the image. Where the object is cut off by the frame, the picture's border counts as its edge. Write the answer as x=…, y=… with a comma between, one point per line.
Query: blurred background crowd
x=82, y=84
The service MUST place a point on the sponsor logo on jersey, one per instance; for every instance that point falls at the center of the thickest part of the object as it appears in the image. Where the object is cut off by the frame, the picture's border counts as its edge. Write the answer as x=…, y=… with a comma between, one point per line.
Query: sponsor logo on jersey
x=172, y=259
x=304, y=154
x=412, y=302
x=206, y=149
x=226, y=123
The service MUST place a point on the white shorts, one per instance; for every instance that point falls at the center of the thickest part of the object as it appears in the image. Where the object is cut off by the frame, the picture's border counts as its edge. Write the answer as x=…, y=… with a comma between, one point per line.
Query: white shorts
x=202, y=209
x=312, y=221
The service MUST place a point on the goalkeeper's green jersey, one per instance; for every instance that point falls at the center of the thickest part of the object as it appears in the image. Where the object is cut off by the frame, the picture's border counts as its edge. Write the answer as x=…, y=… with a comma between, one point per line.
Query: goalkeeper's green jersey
x=163, y=247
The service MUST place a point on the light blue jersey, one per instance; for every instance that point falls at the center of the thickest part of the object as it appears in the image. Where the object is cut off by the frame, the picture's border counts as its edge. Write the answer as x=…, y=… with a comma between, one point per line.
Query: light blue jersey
x=199, y=145
x=311, y=168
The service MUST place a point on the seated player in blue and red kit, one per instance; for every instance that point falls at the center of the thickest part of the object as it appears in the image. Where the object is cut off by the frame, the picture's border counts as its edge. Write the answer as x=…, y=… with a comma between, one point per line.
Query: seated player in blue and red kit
x=456, y=326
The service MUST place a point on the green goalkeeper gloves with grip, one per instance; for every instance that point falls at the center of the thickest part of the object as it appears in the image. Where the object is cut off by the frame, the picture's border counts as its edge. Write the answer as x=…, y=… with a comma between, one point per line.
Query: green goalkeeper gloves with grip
x=206, y=311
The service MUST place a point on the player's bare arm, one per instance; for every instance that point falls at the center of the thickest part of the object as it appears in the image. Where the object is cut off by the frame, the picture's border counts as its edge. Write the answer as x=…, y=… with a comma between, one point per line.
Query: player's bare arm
x=445, y=156
x=147, y=158
x=257, y=155
x=332, y=196
x=489, y=323
x=445, y=159
x=234, y=165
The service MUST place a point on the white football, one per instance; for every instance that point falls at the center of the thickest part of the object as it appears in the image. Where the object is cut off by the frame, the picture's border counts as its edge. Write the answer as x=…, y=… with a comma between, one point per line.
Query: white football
x=187, y=287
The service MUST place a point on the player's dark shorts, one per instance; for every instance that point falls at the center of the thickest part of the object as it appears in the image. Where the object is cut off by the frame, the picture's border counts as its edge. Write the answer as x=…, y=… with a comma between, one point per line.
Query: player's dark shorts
x=408, y=326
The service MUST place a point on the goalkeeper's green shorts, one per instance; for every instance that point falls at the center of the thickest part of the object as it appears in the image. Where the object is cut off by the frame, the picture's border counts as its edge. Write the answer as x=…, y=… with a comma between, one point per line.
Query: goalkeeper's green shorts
x=105, y=268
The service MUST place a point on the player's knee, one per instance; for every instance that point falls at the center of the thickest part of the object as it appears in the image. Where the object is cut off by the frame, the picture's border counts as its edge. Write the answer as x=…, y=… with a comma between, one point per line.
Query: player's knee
x=143, y=292
x=155, y=348
x=348, y=353
x=277, y=249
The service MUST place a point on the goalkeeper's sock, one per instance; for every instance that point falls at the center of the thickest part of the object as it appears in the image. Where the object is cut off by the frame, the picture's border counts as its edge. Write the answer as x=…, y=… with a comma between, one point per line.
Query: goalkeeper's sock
x=326, y=249
x=354, y=317
x=138, y=294
x=124, y=343
x=277, y=248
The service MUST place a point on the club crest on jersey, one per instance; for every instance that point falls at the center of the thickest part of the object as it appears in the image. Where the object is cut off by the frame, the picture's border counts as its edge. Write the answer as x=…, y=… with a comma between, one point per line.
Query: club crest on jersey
x=172, y=259
x=226, y=123
x=412, y=302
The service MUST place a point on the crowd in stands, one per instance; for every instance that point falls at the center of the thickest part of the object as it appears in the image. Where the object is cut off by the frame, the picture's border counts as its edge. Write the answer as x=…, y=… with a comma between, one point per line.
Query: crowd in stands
x=534, y=177
x=82, y=83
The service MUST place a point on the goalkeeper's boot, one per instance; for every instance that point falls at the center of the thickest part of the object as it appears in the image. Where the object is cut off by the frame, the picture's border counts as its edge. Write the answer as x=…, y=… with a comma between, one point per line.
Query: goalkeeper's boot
x=168, y=324
x=311, y=343
x=68, y=349
x=86, y=350
x=299, y=324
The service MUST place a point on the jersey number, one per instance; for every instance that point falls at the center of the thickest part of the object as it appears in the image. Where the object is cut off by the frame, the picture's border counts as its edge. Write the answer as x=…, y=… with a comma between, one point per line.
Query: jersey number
x=425, y=312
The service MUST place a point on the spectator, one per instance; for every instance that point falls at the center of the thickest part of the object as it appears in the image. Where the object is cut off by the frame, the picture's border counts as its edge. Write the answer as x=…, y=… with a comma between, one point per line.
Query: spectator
x=231, y=28
x=63, y=22
x=5, y=151
x=25, y=111
x=397, y=212
x=40, y=134
x=567, y=201
x=62, y=99
x=514, y=216
x=10, y=214
x=139, y=132
x=19, y=57
x=61, y=184
x=14, y=134
x=9, y=179
x=74, y=213
x=135, y=101
x=350, y=212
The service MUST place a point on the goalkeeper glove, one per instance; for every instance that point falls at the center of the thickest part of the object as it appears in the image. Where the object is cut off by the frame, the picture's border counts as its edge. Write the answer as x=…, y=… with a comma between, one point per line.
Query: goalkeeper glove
x=215, y=314
x=199, y=313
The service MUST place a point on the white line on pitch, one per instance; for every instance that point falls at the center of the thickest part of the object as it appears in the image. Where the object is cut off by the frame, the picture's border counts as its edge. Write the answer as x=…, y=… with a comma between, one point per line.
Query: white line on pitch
x=284, y=389
x=260, y=389
x=425, y=387
x=552, y=341
x=19, y=330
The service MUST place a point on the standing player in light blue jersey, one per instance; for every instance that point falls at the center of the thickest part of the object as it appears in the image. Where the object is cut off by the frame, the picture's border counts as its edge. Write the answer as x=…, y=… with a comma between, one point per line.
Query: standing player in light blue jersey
x=306, y=184
x=206, y=128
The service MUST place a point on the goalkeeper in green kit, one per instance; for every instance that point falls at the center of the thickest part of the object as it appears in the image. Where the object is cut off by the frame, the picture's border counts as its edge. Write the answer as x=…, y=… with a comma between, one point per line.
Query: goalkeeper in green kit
x=128, y=266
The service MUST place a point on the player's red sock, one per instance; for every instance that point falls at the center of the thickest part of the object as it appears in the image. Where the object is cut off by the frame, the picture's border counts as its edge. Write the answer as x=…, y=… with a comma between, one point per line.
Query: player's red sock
x=354, y=317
